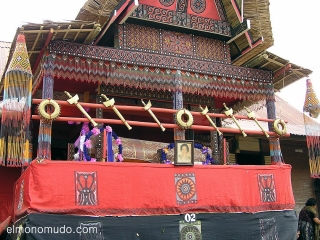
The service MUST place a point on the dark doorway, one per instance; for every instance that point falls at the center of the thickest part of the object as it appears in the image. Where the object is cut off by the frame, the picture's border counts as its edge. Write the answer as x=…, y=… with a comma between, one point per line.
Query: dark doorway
x=249, y=158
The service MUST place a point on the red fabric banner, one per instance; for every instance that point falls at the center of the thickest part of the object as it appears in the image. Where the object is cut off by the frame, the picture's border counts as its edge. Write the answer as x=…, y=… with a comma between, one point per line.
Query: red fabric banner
x=8, y=176
x=124, y=189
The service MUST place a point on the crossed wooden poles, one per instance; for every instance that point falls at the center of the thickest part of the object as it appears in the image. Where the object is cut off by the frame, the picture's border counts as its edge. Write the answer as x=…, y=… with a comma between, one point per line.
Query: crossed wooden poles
x=74, y=100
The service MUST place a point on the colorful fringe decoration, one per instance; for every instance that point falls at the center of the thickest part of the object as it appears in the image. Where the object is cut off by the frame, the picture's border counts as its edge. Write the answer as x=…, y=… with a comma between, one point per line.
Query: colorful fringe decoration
x=14, y=135
x=44, y=140
x=311, y=102
x=311, y=105
x=45, y=128
x=275, y=151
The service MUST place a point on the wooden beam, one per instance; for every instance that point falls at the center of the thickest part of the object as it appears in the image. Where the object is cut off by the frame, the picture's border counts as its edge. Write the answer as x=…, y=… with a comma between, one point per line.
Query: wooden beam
x=49, y=37
x=239, y=16
x=155, y=125
x=64, y=37
x=57, y=30
x=35, y=42
x=79, y=30
x=236, y=9
x=124, y=16
x=239, y=30
x=260, y=40
x=282, y=70
x=92, y=35
x=115, y=14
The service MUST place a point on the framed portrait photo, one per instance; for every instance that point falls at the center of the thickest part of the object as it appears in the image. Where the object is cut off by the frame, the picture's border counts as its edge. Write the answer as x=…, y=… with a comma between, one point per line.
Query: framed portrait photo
x=183, y=152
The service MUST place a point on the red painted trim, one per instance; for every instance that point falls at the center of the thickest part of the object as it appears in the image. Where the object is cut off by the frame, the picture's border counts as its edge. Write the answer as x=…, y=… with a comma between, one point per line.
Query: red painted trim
x=234, y=5
x=115, y=15
x=128, y=11
x=49, y=37
x=155, y=125
x=253, y=46
x=140, y=109
x=249, y=39
x=282, y=70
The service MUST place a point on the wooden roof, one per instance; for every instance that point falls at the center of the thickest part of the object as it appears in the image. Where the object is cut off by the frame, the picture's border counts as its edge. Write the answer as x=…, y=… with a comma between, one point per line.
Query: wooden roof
x=259, y=15
x=93, y=16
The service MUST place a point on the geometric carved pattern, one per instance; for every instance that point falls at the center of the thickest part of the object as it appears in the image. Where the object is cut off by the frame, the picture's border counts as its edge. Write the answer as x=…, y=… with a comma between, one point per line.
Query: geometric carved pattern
x=185, y=188
x=156, y=95
x=151, y=40
x=157, y=79
x=190, y=231
x=198, y=6
x=147, y=39
x=71, y=152
x=169, y=42
x=220, y=9
x=166, y=3
x=164, y=16
x=98, y=55
x=182, y=6
x=268, y=229
x=267, y=187
x=207, y=48
x=179, y=43
x=86, y=188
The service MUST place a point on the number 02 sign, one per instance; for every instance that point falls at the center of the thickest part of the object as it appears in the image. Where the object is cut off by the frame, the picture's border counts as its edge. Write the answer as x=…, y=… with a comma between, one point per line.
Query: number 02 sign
x=190, y=217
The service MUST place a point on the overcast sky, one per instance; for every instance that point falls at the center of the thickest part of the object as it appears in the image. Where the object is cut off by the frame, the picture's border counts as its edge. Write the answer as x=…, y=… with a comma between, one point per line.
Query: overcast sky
x=293, y=25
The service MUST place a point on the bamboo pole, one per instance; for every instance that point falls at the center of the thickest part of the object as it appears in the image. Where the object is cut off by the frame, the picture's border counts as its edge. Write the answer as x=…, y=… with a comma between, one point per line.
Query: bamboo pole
x=155, y=125
x=160, y=110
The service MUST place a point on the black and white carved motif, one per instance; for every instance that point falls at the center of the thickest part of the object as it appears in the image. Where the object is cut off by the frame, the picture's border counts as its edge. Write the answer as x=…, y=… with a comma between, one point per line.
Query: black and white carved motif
x=198, y=6
x=166, y=3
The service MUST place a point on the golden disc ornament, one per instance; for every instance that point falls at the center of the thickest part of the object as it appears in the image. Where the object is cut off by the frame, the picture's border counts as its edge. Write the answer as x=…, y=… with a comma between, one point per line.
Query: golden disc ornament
x=179, y=119
x=280, y=131
x=49, y=116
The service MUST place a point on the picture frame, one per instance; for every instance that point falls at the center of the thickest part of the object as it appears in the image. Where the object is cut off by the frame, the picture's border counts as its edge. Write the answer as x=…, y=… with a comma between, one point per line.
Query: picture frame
x=184, y=152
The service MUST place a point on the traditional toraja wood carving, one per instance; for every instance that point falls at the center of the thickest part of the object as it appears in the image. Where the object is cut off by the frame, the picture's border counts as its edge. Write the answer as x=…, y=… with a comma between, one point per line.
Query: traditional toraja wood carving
x=204, y=113
x=147, y=108
x=229, y=113
x=74, y=100
x=167, y=42
x=171, y=17
x=153, y=60
x=251, y=115
x=110, y=103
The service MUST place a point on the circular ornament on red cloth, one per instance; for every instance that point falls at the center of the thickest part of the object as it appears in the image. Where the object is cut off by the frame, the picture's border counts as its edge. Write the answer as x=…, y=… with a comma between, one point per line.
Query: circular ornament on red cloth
x=166, y=3
x=198, y=6
x=185, y=189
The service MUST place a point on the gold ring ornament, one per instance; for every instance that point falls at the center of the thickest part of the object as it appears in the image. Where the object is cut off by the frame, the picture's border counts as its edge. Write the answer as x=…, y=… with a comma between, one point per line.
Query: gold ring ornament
x=180, y=122
x=49, y=116
x=276, y=128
